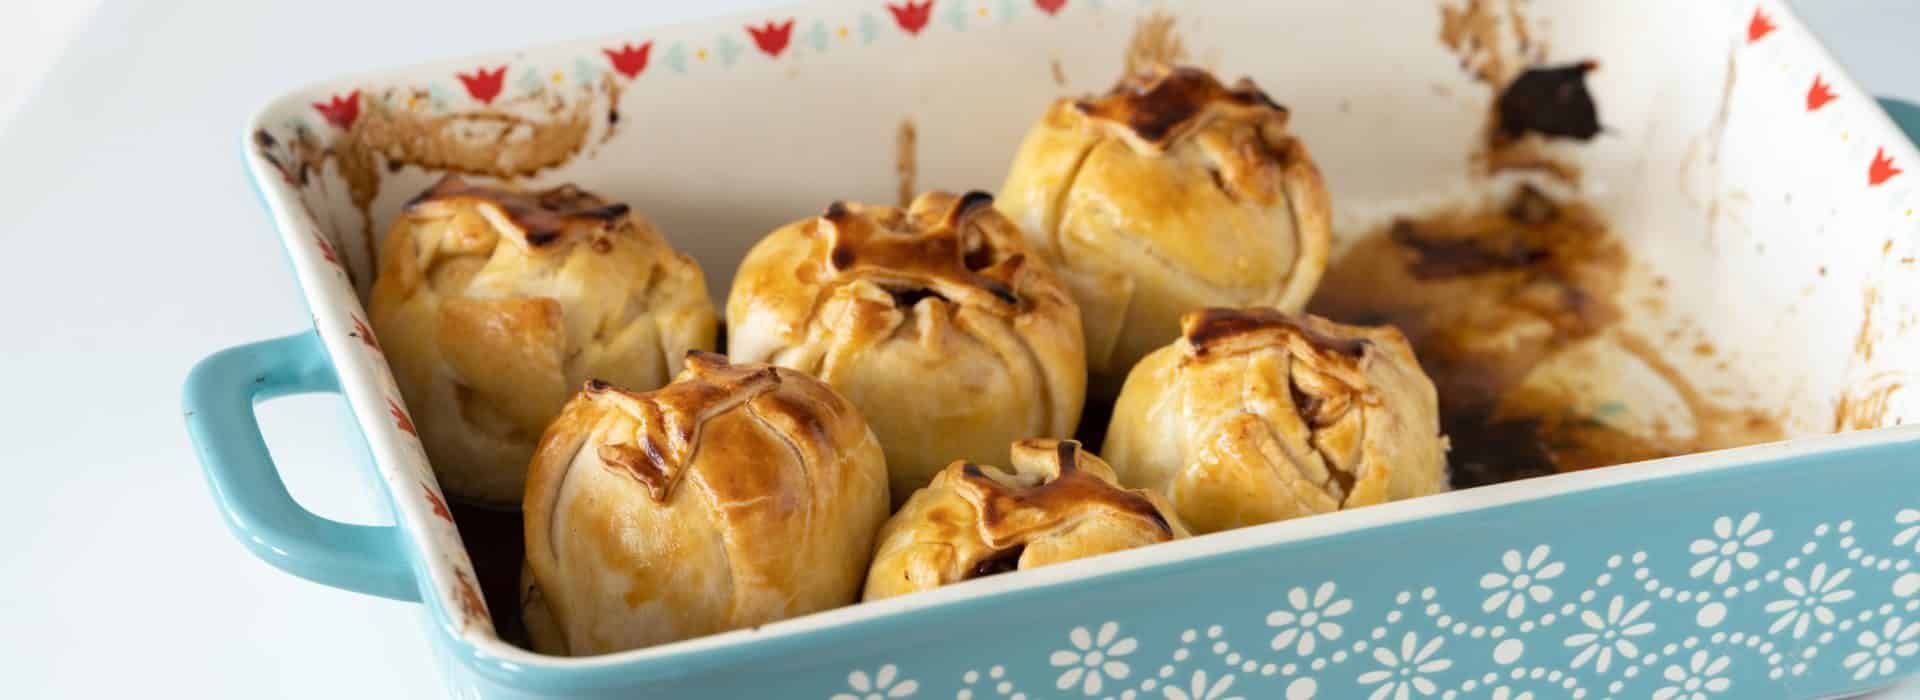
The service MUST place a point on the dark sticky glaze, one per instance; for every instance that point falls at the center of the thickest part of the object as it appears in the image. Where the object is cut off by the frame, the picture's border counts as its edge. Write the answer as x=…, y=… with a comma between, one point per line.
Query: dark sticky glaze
x=908, y=297
x=497, y=549
x=1206, y=329
x=923, y=253
x=672, y=416
x=1550, y=101
x=543, y=214
x=1454, y=257
x=1505, y=245
x=1305, y=404
x=1015, y=515
x=1162, y=108
x=999, y=562
x=1487, y=451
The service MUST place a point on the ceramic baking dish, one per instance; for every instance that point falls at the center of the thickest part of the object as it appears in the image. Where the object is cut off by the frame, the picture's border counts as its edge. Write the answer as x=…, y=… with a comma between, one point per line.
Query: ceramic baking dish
x=1759, y=192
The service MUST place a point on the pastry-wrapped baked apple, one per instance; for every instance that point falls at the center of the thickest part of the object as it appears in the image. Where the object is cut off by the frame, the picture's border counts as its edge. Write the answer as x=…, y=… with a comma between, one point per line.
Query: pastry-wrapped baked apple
x=1169, y=193
x=1059, y=503
x=1254, y=416
x=952, y=340
x=735, y=496
x=494, y=305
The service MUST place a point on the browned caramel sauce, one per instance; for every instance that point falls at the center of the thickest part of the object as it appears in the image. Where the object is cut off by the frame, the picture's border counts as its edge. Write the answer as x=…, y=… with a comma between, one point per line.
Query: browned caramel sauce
x=1486, y=295
x=541, y=214
x=930, y=250
x=1162, y=107
x=673, y=415
x=1013, y=515
x=1206, y=329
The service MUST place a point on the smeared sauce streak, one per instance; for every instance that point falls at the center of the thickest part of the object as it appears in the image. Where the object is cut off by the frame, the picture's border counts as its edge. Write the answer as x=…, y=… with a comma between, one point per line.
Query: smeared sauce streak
x=928, y=251
x=1486, y=295
x=541, y=215
x=672, y=416
x=1011, y=516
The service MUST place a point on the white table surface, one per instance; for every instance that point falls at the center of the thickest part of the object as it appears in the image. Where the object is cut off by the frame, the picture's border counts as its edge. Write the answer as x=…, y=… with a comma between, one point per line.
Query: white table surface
x=117, y=577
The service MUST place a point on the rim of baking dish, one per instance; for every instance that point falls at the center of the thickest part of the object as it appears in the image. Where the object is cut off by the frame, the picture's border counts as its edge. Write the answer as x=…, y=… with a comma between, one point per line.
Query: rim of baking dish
x=439, y=560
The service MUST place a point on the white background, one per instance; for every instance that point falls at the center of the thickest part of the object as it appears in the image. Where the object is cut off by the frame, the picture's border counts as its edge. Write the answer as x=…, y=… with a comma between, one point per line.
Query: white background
x=130, y=246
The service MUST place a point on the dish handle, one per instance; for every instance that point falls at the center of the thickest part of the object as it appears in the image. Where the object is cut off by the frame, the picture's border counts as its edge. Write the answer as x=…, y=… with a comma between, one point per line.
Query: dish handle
x=1905, y=114
x=219, y=401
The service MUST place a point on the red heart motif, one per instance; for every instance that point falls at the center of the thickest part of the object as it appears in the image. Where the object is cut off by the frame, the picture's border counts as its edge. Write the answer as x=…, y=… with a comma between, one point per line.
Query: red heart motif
x=1051, y=7
x=1881, y=170
x=629, y=60
x=482, y=84
x=1820, y=94
x=1759, y=26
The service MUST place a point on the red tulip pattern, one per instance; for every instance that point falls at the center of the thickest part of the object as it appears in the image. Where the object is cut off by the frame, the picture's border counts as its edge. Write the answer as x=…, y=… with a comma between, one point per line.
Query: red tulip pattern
x=912, y=16
x=629, y=60
x=772, y=37
x=482, y=84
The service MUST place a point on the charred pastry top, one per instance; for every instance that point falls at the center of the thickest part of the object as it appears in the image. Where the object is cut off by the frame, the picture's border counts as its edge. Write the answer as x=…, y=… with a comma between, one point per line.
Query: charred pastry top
x=1222, y=331
x=1012, y=514
x=540, y=215
x=671, y=417
x=1155, y=110
x=941, y=246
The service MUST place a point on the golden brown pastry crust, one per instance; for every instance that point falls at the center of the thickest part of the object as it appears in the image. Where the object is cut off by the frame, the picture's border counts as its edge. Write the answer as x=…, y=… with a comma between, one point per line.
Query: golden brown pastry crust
x=934, y=320
x=735, y=496
x=1169, y=193
x=493, y=305
x=1060, y=503
x=1254, y=416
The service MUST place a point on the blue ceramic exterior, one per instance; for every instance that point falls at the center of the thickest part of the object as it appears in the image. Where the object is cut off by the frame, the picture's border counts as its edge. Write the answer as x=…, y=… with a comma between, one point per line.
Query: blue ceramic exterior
x=1789, y=571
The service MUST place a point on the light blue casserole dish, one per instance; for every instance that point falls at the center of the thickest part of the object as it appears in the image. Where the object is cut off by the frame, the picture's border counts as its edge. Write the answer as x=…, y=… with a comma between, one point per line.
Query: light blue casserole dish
x=1781, y=570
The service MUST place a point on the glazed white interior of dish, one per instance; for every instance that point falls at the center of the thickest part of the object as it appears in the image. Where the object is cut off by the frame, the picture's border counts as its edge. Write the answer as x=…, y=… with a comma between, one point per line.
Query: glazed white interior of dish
x=1755, y=211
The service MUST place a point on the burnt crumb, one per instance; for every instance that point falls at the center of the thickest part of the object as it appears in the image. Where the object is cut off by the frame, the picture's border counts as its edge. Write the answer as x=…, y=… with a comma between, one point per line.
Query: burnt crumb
x=1000, y=562
x=613, y=117
x=602, y=245
x=264, y=139
x=973, y=470
x=596, y=386
x=1453, y=257
x=842, y=258
x=1550, y=101
x=394, y=166
x=836, y=211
